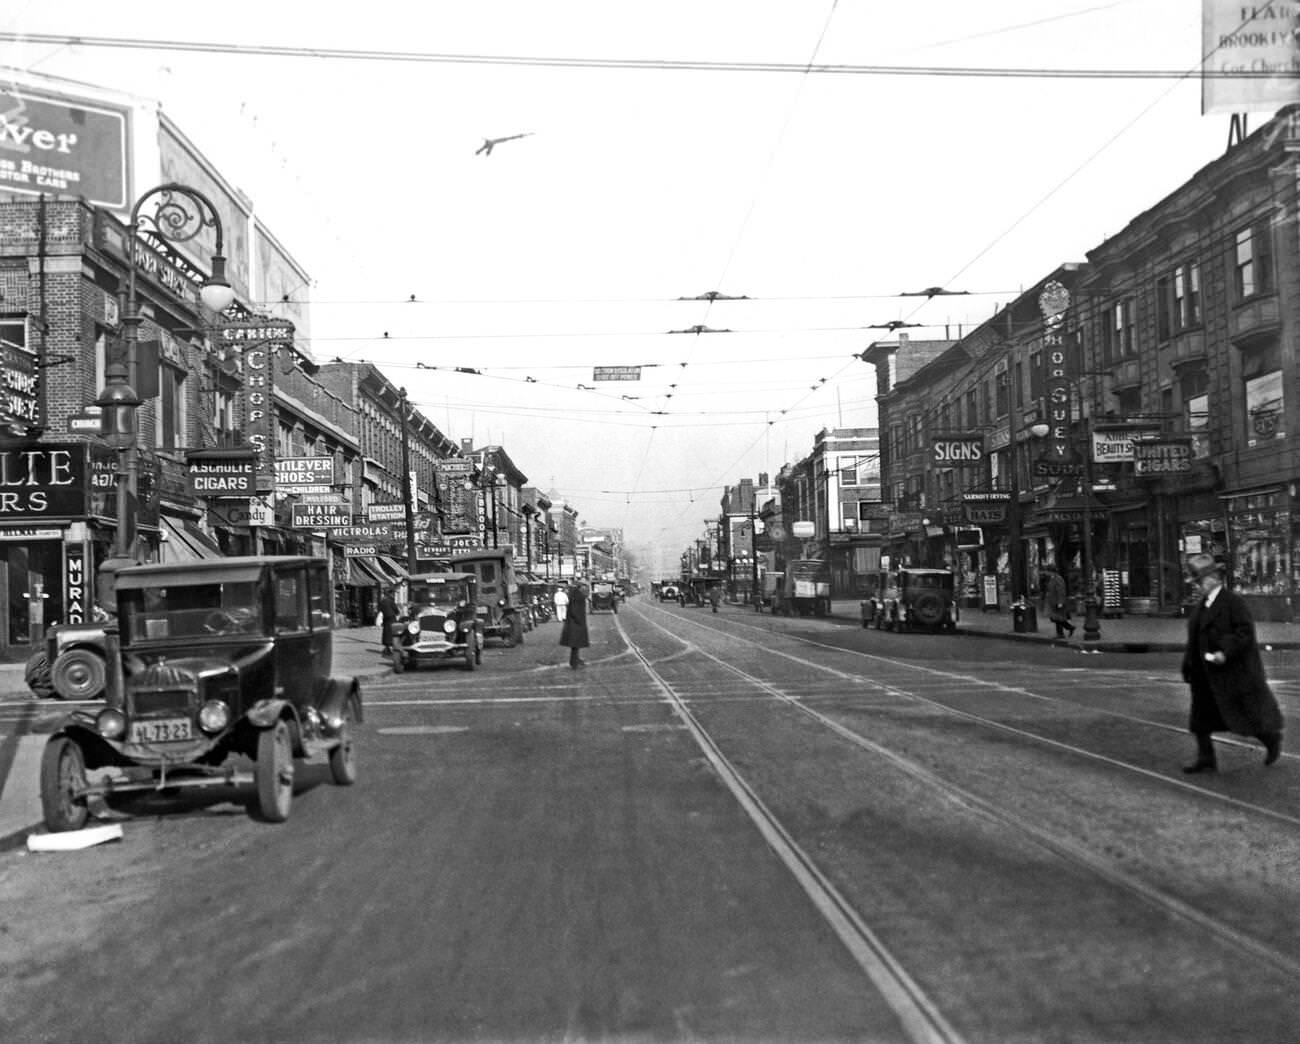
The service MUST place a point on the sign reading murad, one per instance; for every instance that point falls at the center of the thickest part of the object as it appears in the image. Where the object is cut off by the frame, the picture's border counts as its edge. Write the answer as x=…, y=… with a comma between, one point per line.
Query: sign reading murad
x=320, y=516
x=293, y=472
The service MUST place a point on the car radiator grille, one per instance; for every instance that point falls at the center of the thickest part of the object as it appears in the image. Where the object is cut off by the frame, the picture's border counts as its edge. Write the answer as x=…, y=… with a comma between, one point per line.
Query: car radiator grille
x=160, y=701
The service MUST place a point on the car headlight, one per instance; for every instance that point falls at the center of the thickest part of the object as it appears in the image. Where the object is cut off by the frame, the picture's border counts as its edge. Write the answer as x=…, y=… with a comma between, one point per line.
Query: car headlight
x=449, y=625
x=110, y=723
x=214, y=716
x=413, y=627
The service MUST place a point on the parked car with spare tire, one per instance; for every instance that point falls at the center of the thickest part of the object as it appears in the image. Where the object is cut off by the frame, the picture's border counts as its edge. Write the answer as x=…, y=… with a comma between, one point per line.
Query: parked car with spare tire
x=911, y=599
x=215, y=664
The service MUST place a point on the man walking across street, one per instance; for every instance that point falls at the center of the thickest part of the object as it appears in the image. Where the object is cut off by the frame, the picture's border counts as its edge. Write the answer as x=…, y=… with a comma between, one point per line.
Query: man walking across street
x=574, y=632
x=1222, y=665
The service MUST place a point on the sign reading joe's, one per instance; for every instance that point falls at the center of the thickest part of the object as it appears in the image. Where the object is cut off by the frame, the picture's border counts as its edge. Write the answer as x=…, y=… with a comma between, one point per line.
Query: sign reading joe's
x=42, y=482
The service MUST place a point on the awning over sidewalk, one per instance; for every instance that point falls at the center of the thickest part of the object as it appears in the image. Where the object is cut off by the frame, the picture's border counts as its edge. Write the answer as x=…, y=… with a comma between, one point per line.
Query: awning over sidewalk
x=396, y=571
x=364, y=571
x=183, y=541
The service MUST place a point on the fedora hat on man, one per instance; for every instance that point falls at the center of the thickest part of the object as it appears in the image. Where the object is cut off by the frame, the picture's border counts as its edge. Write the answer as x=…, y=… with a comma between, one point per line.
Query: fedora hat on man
x=1200, y=566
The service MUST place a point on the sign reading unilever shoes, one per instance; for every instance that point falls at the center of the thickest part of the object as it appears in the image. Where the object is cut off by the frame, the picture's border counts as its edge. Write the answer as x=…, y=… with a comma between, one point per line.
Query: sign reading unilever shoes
x=64, y=146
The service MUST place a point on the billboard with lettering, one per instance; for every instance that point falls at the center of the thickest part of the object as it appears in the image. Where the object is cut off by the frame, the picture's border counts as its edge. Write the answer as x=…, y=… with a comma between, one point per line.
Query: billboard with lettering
x=61, y=145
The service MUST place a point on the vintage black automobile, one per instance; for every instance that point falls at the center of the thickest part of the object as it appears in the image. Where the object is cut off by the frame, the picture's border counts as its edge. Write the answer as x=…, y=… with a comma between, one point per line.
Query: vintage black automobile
x=216, y=663
x=500, y=609
x=441, y=624
x=908, y=599
x=604, y=597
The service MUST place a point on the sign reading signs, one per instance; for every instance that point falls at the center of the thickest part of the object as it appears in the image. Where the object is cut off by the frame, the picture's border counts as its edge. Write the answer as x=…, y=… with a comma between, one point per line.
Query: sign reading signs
x=43, y=482
x=1162, y=458
x=957, y=450
x=319, y=516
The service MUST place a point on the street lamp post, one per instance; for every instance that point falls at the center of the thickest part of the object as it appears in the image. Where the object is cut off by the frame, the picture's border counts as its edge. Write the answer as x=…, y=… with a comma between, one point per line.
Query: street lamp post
x=182, y=214
x=408, y=507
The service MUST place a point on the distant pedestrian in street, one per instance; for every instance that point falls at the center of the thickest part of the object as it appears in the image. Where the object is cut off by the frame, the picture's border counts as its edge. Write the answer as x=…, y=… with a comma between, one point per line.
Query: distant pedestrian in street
x=1058, y=606
x=387, y=618
x=715, y=596
x=561, y=603
x=1222, y=665
x=574, y=632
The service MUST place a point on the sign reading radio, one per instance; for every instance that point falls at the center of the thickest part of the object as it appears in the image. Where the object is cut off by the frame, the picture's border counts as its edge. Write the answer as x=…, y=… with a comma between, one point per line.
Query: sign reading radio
x=955, y=450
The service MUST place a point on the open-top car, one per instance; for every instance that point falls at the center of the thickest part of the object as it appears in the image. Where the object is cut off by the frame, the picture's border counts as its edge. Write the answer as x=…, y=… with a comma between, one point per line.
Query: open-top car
x=908, y=599
x=441, y=623
x=604, y=597
x=215, y=664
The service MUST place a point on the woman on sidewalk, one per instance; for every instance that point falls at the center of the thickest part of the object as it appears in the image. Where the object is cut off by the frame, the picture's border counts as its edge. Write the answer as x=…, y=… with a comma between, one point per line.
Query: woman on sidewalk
x=1222, y=665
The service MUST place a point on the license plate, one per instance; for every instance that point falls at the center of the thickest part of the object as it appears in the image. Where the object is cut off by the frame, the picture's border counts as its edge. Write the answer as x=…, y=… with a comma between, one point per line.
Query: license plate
x=161, y=730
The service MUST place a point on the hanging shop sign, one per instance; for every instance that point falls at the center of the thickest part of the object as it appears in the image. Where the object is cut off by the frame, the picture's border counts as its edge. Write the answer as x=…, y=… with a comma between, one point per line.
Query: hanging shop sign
x=957, y=450
x=221, y=478
x=616, y=373
x=386, y=512
x=20, y=386
x=298, y=474
x=1115, y=445
x=986, y=509
x=319, y=516
x=1162, y=457
x=1058, y=370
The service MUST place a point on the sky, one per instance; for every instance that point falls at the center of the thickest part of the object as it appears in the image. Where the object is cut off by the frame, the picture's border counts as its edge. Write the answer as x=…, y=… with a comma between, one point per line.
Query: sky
x=820, y=196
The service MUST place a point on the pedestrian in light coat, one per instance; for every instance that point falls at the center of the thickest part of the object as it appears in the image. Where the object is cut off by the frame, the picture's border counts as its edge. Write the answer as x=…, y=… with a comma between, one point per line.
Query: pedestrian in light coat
x=1221, y=663
x=561, y=603
x=574, y=632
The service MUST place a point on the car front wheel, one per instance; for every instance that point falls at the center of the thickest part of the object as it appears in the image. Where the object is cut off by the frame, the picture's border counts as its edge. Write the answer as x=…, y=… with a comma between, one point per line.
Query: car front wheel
x=343, y=758
x=274, y=773
x=63, y=774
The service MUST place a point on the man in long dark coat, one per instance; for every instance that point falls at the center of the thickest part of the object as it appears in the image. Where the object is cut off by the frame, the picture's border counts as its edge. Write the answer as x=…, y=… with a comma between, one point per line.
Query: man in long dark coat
x=1222, y=665
x=574, y=632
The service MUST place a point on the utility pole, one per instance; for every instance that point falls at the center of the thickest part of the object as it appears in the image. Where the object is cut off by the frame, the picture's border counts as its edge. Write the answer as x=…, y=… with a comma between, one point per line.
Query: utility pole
x=407, y=506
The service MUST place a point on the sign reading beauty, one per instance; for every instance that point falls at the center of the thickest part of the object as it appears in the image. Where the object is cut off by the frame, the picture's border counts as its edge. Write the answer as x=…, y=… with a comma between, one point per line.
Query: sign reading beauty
x=43, y=482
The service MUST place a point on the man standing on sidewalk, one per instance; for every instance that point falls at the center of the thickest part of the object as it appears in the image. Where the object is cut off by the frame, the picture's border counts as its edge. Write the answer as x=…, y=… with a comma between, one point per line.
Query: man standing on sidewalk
x=1058, y=608
x=1222, y=665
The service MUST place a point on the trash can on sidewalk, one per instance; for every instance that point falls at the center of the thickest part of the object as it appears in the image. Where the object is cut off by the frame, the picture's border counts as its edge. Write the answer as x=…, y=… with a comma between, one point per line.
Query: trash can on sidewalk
x=1024, y=618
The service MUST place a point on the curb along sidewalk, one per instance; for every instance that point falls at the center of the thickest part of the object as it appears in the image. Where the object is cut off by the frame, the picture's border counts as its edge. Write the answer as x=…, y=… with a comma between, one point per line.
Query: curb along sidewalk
x=1125, y=634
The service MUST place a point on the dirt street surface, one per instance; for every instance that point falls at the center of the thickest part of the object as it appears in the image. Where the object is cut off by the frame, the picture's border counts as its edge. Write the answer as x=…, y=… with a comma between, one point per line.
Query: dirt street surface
x=726, y=827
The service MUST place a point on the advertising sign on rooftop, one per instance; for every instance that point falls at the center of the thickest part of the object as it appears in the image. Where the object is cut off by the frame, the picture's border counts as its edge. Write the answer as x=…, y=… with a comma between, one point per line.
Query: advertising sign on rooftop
x=62, y=146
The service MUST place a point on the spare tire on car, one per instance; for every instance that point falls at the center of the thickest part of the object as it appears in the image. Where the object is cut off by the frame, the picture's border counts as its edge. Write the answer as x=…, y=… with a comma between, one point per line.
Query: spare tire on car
x=927, y=609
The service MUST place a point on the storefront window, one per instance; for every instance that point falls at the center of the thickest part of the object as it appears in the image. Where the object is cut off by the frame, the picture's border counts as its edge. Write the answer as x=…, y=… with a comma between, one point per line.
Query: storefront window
x=1259, y=528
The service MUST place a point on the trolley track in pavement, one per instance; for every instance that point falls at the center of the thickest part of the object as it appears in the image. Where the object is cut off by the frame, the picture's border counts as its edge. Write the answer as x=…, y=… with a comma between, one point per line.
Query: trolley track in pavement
x=963, y=684
x=1062, y=847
